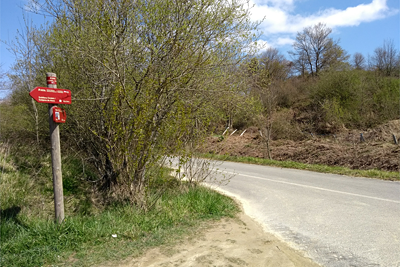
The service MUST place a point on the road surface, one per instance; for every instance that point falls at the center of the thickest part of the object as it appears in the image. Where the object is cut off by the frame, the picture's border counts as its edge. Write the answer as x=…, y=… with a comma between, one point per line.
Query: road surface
x=337, y=220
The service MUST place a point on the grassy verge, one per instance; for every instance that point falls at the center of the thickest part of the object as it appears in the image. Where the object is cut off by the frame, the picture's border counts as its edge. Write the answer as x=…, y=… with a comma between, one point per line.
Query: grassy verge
x=385, y=175
x=29, y=238
x=86, y=240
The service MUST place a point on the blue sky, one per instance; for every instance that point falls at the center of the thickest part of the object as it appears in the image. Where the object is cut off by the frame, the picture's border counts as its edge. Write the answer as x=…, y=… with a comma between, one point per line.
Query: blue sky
x=361, y=25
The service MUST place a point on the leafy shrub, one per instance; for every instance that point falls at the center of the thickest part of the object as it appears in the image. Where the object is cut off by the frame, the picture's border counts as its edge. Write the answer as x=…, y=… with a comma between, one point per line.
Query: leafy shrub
x=353, y=98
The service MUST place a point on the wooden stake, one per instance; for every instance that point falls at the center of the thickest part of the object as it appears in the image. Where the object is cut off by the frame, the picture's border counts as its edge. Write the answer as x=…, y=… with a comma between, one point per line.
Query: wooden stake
x=56, y=156
x=362, y=138
x=395, y=140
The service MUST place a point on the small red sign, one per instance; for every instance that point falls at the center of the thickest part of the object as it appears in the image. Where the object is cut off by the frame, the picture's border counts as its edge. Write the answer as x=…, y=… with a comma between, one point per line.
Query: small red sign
x=51, y=95
x=59, y=115
x=51, y=80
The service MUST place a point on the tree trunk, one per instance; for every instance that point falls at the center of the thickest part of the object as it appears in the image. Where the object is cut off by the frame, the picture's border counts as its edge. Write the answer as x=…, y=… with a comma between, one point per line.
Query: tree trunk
x=35, y=113
x=267, y=139
x=110, y=176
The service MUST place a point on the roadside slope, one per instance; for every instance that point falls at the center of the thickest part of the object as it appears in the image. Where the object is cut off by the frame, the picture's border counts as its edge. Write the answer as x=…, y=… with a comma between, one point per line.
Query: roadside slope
x=342, y=149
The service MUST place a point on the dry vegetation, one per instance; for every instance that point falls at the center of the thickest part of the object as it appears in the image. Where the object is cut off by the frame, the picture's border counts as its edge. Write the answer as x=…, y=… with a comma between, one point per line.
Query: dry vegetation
x=341, y=149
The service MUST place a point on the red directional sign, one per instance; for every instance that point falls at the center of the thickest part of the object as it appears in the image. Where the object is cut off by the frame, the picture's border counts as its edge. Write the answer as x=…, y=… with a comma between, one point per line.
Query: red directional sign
x=51, y=96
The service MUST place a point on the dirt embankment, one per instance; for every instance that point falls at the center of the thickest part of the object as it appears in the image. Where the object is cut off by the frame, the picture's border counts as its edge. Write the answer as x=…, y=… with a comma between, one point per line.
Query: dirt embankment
x=377, y=150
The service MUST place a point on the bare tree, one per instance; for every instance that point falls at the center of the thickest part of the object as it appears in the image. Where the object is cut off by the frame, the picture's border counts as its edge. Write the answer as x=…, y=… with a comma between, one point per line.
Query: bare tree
x=279, y=70
x=267, y=75
x=300, y=64
x=278, y=67
x=385, y=59
x=397, y=69
x=2, y=78
x=314, y=50
x=358, y=61
x=24, y=71
x=260, y=80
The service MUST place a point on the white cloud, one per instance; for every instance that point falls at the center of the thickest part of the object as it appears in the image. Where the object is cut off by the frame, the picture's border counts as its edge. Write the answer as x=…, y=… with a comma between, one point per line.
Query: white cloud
x=285, y=41
x=279, y=18
x=274, y=18
x=31, y=6
x=282, y=4
x=351, y=16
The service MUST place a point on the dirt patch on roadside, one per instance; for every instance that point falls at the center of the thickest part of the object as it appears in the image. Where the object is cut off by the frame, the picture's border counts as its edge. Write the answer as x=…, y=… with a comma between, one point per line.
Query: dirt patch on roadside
x=346, y=149
x=229, y=242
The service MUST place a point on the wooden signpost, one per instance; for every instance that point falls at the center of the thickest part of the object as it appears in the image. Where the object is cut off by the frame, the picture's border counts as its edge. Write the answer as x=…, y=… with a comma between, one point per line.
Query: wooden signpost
x=52, y=96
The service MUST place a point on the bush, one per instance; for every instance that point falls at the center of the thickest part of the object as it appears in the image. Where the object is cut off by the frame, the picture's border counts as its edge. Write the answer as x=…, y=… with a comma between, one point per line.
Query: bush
x=353, y=98
x=284, y=126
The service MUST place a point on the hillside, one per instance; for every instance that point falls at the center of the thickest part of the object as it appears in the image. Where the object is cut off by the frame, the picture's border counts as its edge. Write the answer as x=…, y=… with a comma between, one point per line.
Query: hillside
x=342, y=149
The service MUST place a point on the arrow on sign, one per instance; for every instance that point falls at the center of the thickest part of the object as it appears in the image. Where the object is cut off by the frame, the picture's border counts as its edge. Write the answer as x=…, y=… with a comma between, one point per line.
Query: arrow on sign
x=51, y=95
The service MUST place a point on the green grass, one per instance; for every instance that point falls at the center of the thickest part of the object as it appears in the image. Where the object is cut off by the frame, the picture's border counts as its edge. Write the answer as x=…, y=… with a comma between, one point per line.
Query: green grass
x=29, y=236
x=85, y=240
x=385, y=175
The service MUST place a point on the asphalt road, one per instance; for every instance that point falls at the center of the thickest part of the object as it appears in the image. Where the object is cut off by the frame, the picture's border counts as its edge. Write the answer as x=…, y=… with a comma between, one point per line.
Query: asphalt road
x=337, y=220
